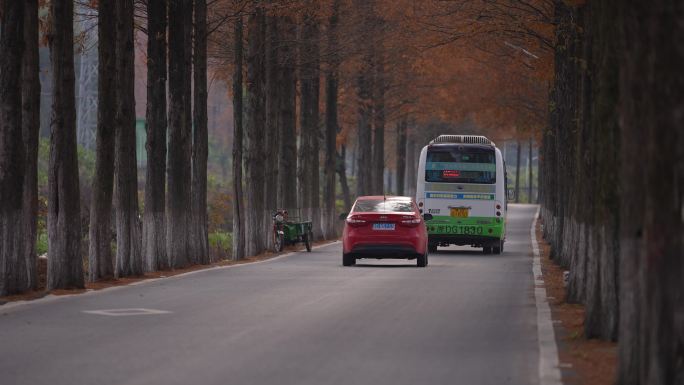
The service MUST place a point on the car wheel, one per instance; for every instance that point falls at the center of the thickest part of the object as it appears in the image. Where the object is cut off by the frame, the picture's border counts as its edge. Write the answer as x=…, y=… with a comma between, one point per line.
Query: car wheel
x=421, y=261
x=487, y=250
x=348, y=260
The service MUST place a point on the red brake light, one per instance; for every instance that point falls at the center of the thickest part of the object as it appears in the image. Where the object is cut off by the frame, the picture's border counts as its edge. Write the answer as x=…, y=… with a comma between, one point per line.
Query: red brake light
x=355, y=222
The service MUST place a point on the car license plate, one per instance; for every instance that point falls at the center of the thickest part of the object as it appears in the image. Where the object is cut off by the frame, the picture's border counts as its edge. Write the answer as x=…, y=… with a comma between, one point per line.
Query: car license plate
x=383, y=226
x=459, y=212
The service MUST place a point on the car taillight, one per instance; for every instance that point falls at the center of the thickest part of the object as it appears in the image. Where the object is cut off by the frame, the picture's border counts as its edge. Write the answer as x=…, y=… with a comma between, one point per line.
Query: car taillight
x=355, y=222
x=411, y=222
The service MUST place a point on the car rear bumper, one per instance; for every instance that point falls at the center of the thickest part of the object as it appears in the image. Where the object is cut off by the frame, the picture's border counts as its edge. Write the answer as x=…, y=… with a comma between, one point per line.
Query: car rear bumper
x=384, y=251
x=463, y=240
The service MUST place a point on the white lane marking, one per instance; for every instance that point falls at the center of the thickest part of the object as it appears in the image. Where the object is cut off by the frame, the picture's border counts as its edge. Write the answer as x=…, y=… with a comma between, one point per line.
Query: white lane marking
x=549, y=372
x=126, y=312
x=10, y=306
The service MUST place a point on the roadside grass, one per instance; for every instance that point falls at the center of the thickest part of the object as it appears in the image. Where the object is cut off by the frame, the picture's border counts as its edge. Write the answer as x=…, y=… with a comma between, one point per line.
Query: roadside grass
x=220, y=245
x=42, y=243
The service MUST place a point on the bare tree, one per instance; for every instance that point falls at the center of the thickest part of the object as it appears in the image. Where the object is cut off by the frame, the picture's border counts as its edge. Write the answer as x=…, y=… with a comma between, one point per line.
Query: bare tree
x=30, y=115
x=154, y=232
x=379, y=90
x=100, y=261
x=309, y=147
x=331, y=123
x=272, y=94
x=179, y=156
x=238, y=205
x=128, y=232
x=13, y=276
x=199, y=241
x=287, y=135
x=65, y=264
x=401, y=155
x=255, y=163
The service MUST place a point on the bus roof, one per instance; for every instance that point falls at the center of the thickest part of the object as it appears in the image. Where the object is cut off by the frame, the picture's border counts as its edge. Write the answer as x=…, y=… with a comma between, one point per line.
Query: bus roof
x=464, y=139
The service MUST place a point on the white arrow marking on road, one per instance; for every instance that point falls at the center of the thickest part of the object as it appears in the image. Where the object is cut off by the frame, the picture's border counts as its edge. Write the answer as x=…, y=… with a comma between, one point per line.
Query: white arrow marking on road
x=126, y=312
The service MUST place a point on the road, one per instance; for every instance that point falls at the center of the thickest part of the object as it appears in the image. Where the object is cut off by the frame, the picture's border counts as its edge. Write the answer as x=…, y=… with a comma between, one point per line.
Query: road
x=467, y=318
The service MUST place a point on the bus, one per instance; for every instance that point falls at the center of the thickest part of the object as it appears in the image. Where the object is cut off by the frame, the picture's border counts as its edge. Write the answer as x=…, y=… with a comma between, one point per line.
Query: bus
x=462, y=184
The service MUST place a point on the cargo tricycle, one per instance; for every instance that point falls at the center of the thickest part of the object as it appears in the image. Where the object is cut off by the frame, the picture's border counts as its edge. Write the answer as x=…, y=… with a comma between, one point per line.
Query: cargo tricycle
x=290, y=230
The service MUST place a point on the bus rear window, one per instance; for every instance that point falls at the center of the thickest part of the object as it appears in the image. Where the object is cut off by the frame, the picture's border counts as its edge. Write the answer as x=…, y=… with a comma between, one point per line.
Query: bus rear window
x=460, y=164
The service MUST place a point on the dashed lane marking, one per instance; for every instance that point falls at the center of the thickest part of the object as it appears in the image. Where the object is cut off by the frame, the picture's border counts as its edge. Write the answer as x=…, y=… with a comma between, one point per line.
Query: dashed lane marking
x=126, y=312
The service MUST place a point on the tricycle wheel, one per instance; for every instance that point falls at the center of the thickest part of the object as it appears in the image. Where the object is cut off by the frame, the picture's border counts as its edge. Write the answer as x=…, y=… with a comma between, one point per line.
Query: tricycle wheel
x=308, y=238
x=278, y=241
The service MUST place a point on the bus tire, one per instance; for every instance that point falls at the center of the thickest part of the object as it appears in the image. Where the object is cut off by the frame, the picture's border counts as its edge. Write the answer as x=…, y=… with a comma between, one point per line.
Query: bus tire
x=432, y=247
x=487, y=250
x=498, y=249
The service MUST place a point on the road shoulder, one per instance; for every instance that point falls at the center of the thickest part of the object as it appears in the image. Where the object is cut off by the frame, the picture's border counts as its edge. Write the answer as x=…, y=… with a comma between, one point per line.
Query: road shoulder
x=581, y=360
x=41, y=295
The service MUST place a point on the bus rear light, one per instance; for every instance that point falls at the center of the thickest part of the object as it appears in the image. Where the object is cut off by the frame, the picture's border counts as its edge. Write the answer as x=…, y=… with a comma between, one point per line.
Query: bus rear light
x=498, y=207
x=420, y=204
x=498, y=213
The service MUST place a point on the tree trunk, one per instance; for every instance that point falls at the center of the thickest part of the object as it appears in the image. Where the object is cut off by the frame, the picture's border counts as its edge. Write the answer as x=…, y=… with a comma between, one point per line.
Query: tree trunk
x=272, y=112
x=199, y=238
x=364, y=134
x=154, y=230
x=411, y=166
x=309, y=118
x=342, y=174
x=651, y=305
x=378, y=168
x=128, y=237
x=13, y=275
x=529, y=171
x=65, y=263
x=517, y=172
x=401, y=155
x=238, y=206
x=100, y=261
x=331, y=125
x=179, y=146
x=31, y=128
x=287, y=133
x=255, y=164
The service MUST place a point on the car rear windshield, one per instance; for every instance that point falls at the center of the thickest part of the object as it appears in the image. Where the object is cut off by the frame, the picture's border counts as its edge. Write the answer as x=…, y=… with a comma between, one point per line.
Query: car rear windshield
x=380, y=205
x=461, y=164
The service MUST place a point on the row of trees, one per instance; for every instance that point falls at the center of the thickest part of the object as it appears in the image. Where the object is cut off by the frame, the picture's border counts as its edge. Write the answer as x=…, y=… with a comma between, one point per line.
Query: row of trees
x=291, y=60
x=612, y=174
x=175, y=221
x=314, y=83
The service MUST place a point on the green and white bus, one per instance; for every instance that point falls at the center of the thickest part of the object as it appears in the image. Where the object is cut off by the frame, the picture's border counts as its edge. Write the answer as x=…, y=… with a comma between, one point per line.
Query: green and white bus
x=462, y=183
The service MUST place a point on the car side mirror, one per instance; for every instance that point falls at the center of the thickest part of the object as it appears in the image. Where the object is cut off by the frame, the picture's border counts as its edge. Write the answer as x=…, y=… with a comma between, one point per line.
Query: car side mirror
x=510, y=194
x=343, y=216
x=427, y=217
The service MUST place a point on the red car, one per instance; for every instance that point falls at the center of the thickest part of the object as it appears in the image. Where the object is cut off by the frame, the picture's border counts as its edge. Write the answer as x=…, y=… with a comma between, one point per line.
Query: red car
x=385, y=227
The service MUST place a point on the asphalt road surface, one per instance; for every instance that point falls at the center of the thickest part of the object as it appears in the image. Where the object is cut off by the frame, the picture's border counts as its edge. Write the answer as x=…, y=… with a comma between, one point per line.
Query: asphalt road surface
x=467, y=319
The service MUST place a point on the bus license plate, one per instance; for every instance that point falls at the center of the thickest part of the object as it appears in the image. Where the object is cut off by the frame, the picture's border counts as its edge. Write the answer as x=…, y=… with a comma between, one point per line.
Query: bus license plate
x=459, y=212
x=383, y=226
